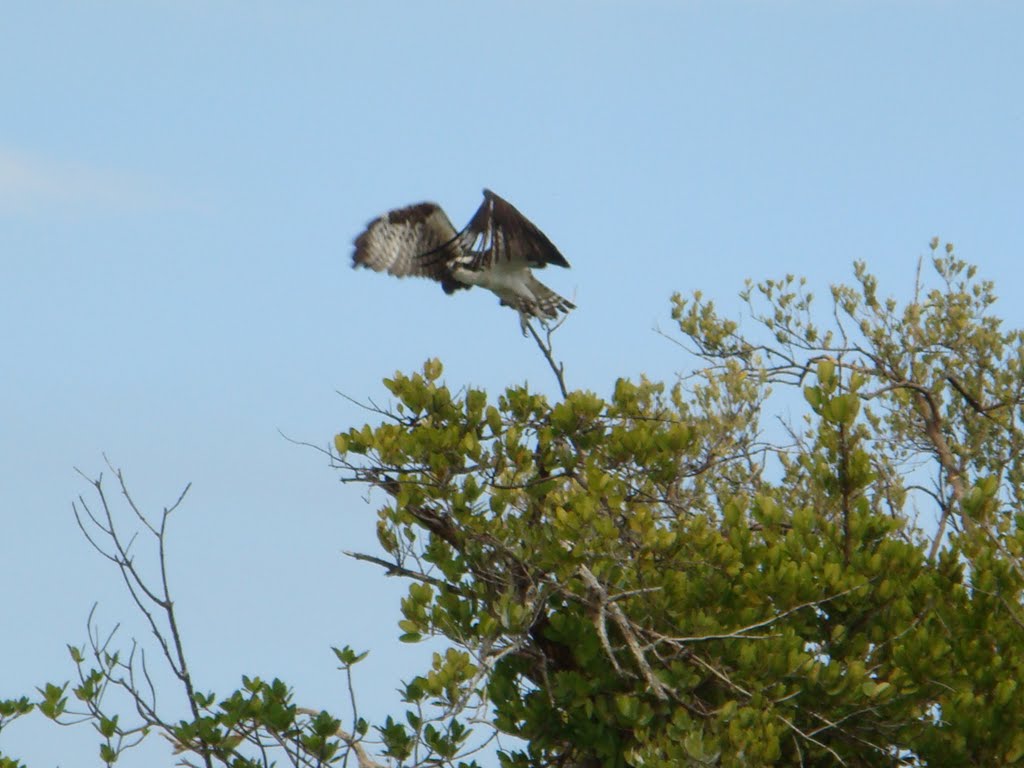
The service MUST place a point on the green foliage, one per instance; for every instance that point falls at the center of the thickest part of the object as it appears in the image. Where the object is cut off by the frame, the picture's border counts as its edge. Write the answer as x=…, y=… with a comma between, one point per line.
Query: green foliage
x=646, y=580
x=672, y=575
x=11, y=710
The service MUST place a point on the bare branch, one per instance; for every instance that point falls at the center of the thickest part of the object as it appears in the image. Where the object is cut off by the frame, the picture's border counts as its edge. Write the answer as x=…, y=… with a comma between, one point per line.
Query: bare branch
x=625, y=629
x=744, y=632
x=394, y=569
x=545, y=346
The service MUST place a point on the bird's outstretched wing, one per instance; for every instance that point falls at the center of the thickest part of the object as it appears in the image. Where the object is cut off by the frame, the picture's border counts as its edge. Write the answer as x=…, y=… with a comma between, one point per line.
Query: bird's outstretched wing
x=498, y=232
x=417, y=240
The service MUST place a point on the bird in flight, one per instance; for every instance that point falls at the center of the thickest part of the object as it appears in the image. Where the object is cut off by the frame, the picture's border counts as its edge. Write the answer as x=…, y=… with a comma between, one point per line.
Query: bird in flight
x=497, y=250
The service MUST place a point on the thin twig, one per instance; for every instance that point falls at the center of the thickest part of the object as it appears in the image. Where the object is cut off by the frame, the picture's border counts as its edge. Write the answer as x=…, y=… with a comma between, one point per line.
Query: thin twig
x=545, y=347
x=394, y=569
x=744, y=632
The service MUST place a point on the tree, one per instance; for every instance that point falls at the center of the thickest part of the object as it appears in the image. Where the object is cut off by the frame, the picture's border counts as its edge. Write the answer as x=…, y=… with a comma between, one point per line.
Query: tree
x=668, y=577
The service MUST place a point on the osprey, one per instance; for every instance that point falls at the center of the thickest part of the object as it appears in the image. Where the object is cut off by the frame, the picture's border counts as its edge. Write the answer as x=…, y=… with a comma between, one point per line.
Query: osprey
x=497, y=250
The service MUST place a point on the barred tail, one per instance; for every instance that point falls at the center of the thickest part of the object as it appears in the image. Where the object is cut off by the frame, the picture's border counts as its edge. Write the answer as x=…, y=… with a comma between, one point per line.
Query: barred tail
x=546, y=303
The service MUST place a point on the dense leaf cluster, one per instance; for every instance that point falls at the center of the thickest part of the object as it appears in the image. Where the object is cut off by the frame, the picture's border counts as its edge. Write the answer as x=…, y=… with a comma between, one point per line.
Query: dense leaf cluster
x=648, y=580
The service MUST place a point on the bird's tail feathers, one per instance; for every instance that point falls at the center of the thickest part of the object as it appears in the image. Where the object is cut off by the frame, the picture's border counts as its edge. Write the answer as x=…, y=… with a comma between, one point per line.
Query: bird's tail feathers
x=545, y=305
x=548, y=303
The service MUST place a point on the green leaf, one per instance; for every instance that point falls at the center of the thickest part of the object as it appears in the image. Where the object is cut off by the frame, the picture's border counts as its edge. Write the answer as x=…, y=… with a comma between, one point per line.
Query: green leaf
x=108, y=726
x=827, y=375
x=432, y=369
x=348, y=657
x=107, y=754
x=814, y=397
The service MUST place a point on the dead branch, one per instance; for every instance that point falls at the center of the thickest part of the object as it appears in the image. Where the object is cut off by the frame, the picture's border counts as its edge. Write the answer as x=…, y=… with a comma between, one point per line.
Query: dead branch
x=545, y=347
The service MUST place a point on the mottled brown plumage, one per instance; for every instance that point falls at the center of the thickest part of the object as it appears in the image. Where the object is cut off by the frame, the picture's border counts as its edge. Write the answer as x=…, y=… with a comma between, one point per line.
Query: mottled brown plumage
x=496, y=250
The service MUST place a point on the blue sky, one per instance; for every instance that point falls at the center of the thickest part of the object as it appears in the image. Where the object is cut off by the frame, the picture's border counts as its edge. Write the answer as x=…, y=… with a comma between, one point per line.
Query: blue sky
x=180, y=183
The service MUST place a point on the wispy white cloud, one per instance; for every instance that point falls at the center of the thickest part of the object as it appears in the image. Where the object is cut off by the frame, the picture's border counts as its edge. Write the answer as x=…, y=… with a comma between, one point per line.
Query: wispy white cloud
x=31, y=183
